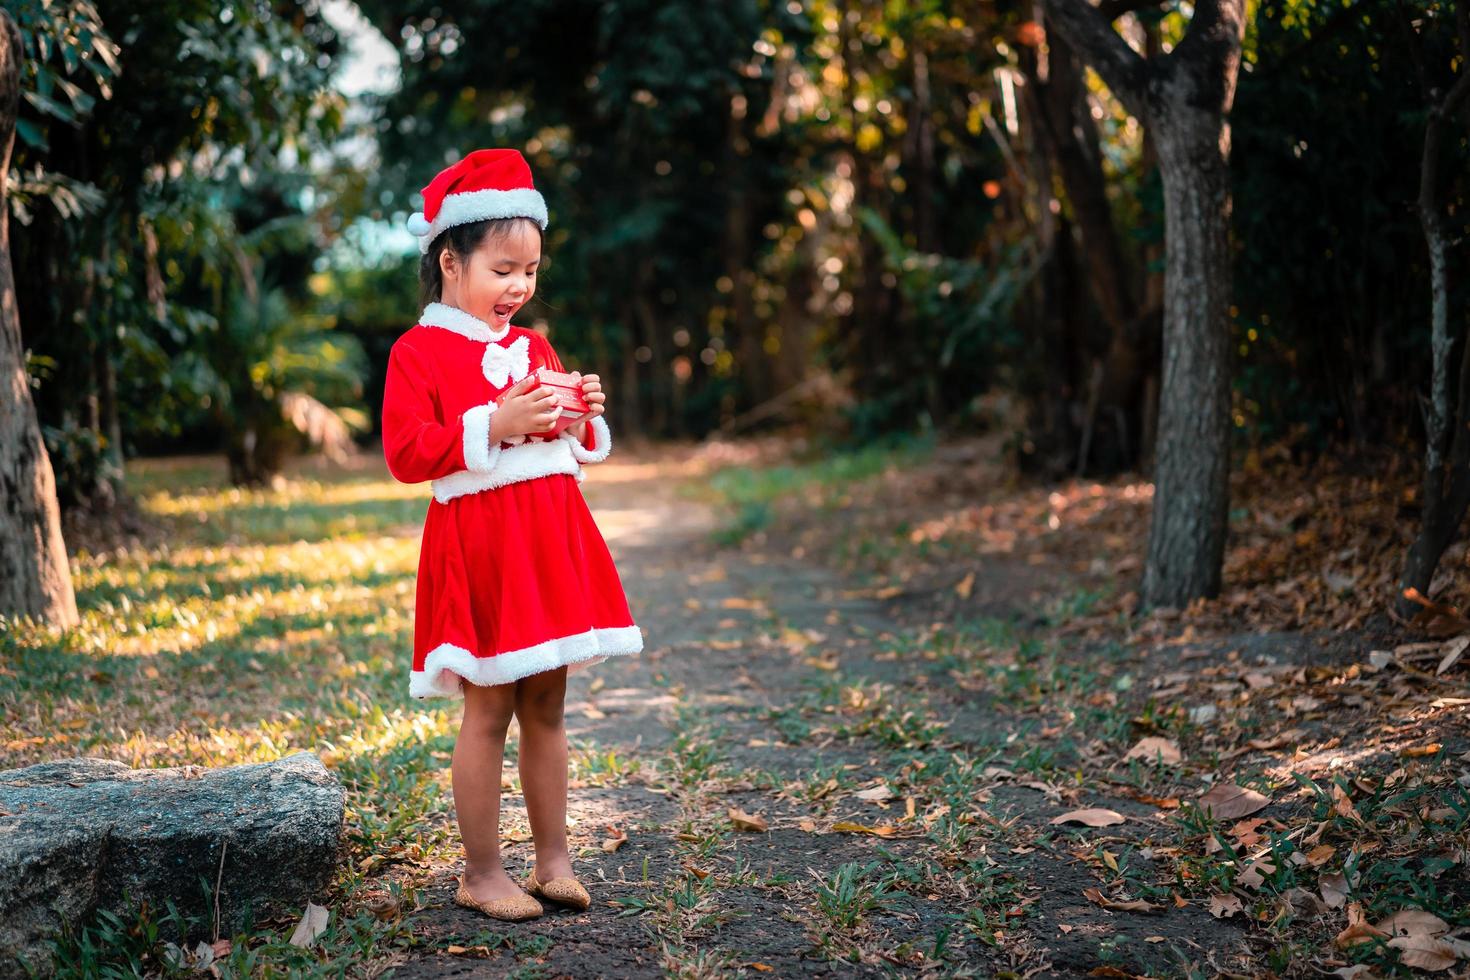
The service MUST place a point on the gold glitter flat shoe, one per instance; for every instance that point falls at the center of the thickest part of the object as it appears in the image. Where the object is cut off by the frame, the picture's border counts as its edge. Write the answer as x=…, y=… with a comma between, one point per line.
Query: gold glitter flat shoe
x=516, y=908
x=562, y=891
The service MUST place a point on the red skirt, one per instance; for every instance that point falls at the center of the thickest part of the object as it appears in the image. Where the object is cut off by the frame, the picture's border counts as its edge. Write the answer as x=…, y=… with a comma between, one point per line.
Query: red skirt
x=515, y=581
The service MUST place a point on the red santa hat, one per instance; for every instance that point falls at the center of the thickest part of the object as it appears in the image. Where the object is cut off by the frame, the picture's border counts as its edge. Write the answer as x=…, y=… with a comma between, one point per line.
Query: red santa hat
x=486, y=184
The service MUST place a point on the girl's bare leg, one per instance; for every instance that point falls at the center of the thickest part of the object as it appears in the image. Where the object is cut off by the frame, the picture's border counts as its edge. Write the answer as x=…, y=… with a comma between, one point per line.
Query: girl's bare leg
x=479, y=750
x=543, y=764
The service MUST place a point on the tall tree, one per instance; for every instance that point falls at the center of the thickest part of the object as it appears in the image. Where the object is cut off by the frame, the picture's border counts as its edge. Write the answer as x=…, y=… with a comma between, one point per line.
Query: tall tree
x=1446, y=492
x=35, y=578
x=1183, y=97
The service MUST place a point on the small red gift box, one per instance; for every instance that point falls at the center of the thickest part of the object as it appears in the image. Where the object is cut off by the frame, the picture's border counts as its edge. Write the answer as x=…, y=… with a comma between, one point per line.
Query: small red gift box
x=568, y=396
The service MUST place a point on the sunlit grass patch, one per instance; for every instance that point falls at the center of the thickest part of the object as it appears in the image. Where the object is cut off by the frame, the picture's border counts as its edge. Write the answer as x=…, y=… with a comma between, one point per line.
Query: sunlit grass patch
x=264, y=622
x=751, y=494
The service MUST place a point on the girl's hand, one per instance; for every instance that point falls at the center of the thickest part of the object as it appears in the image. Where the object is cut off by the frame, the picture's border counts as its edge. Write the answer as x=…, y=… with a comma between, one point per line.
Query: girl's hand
x=523, y=412
x=592, y=394
x=595, y=398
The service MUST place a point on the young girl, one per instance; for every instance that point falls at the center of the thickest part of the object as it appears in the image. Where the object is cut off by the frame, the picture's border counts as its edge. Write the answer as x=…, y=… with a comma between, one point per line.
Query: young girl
x=515, y=584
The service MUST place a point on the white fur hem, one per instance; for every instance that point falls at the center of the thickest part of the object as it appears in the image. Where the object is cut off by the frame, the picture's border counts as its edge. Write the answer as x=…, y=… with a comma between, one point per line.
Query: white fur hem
x=601, y=442
x=479, y=455
x=512, y=464
x=447, y=665
x=461, y=209
x=456, y=320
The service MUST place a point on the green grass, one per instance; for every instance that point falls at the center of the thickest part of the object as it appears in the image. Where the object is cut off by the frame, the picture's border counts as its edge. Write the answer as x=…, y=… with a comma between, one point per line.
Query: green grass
x=752, y=495
x=266, y=622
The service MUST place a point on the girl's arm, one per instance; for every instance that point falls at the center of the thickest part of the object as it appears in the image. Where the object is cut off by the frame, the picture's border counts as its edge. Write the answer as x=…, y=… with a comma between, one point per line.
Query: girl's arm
x=591, y=440
x=417, y=446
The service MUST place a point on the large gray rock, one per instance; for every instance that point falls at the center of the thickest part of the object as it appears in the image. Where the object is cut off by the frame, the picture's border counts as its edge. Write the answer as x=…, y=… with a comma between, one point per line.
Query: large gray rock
x=78, y=835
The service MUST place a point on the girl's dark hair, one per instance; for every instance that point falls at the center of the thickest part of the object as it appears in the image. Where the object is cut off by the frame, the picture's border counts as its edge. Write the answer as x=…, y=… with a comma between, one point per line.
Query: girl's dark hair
x=461, y=240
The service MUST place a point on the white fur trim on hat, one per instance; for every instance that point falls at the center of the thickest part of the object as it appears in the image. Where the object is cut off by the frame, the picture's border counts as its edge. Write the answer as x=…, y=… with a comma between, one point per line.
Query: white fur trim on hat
x=460, y=209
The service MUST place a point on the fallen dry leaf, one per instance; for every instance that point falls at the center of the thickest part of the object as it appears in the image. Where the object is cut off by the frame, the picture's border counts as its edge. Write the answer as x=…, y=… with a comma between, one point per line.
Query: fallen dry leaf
x=1162, y=802
x=1133, y=905
x=1358, y=930
x=1342, y=805
x=480, y=951
x=1254, y=875
x=1155, y=749
x=848, y=827
x=1245, y=832
x=1414, y=922
x=618, y=839
x=1453, y=650
x=747, y=821
x=1094, y=817
x=1420, y=751
x=313, y=923
x=1437, y=619
x=1425, y=952
x=1229, y=802
x=1320, y=855
x=1224, y=906
x=383, y=907
x=876, y=794
x=965, y=585
x=1334, y=890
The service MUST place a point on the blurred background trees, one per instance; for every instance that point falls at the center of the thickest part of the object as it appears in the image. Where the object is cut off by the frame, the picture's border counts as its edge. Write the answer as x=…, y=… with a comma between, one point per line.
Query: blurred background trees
x=857, y=218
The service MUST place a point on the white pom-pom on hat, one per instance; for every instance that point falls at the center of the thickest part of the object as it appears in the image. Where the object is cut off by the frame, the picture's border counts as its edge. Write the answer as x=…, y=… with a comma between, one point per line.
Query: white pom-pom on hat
x=418, y=224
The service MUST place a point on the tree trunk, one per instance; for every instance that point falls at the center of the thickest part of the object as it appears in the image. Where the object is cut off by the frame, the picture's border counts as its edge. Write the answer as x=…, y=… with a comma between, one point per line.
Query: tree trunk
x=1191, y=480
x=919, y=145
x=35, y=576
x=1183, y=98
x=1446, y=491
x=1057, y=93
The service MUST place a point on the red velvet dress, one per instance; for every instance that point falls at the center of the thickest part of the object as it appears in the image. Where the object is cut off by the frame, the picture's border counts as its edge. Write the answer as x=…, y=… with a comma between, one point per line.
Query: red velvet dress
x=514, y=576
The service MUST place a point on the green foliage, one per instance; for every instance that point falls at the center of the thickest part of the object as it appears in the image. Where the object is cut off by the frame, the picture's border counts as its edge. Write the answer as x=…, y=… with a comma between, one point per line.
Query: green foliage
x=185, y=144
x=957, y=316
x=78, y=455
x=753, y=492
x=71, y=37
x=1331, y=276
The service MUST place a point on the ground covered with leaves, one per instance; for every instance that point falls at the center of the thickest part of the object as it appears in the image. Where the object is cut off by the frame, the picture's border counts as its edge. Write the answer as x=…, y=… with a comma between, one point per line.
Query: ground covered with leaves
x=897, y=714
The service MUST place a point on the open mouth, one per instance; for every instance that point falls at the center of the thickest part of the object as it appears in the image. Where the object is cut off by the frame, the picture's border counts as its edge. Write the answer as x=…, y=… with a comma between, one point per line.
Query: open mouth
x=503, y=310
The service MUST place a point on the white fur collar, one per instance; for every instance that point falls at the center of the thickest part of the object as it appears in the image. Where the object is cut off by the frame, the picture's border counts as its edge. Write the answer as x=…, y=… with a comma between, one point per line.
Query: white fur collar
x=453, y=318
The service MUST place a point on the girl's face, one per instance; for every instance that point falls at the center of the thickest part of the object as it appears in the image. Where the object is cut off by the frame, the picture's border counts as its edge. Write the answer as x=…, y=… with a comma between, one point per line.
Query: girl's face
x=496, y=279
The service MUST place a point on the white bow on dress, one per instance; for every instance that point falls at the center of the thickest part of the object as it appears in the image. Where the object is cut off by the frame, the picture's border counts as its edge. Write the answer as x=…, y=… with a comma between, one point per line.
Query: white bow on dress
x=506, y=364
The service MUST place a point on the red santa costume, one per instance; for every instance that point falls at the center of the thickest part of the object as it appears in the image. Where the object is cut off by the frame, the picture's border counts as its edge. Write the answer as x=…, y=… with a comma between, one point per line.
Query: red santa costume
x=514, y=577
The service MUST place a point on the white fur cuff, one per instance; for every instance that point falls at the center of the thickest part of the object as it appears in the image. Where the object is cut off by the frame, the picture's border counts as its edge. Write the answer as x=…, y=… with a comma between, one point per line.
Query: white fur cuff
x=601, y=442
x=479, y=455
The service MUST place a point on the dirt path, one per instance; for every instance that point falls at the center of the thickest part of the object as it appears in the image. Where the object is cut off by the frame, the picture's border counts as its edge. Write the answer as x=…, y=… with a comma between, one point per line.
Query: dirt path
x=771, y=687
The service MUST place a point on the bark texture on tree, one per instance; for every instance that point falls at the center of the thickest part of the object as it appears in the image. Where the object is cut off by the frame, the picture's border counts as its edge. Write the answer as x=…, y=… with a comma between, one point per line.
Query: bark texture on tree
x=1446, y=490
x=35, y=576
x=1191, y=476
x=1183, y=98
